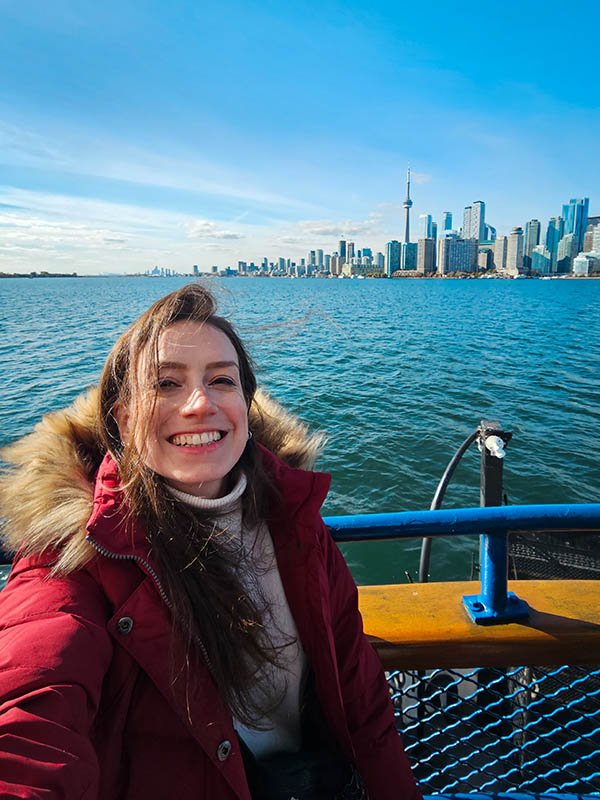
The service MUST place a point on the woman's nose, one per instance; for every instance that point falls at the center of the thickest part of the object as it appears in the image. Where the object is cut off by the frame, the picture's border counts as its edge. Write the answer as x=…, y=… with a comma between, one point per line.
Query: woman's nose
x=198, y=401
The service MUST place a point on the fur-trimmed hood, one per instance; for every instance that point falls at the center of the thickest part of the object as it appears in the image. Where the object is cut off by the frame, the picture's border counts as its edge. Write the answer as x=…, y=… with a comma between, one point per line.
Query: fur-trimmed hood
x=46, y=491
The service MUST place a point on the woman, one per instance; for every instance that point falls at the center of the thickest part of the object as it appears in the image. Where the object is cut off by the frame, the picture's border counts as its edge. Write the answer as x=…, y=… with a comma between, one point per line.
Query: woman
x=178, y=622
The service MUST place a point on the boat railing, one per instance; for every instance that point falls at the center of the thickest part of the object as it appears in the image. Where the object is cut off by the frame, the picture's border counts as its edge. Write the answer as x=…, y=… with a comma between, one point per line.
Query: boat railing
x=495, y=684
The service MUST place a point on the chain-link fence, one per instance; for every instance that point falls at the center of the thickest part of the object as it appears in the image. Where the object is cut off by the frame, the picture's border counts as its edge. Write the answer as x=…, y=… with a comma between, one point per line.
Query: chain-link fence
x=530, y=729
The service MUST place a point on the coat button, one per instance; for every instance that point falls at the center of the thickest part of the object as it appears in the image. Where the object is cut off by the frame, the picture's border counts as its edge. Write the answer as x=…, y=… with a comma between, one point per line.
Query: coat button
x=223, y=750
x=124, y=625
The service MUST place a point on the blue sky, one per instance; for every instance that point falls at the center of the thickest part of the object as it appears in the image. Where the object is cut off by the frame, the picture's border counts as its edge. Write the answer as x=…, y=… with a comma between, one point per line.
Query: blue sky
x=142, y=132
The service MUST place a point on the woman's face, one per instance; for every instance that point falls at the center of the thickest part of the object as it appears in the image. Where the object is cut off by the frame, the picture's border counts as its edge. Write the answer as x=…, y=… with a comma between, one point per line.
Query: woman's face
x=199, y=426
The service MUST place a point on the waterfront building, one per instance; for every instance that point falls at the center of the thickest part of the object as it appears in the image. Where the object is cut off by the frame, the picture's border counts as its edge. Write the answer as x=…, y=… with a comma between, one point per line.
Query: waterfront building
x=541, y=260
x=196, y=270
x=532, y=239
x=500, y=248
x=342, y=250
x=407, y=207
x=434, y=231
x=426, y=256
x=554, y=233
x=447, y=220
x=409, y=256
x=514, y=252
x=392, y=257
x=566, y=252
x=585, y=264
x=485, y=258
x=320, y=259
x=575, y=215
x=349, y=251
x=456, y=255
x=327, y=262
x=380, y=261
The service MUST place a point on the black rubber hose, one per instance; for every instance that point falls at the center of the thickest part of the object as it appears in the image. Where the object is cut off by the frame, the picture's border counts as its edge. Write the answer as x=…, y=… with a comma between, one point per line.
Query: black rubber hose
x=437, y=501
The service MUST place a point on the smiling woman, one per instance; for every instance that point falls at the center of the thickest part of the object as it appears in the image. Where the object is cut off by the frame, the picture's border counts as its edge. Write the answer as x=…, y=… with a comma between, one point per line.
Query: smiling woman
x=178, y=619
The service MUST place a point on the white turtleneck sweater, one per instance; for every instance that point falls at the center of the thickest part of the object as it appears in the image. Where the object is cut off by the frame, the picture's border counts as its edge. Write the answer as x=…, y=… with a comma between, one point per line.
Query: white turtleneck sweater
x=280, y=728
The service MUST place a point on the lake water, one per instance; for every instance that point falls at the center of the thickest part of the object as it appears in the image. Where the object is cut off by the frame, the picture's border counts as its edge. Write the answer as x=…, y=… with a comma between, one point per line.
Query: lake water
x=397, y=372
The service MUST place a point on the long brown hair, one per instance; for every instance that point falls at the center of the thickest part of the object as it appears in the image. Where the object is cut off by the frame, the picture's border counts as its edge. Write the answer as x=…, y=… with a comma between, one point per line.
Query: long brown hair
x=212, y=612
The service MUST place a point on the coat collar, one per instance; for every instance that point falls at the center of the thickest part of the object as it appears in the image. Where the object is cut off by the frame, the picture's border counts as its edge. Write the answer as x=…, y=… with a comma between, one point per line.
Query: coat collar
x=297, y=492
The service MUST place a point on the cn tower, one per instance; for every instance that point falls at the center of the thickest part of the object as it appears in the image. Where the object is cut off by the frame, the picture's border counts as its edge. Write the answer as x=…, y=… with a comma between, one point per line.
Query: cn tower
x=407, y=206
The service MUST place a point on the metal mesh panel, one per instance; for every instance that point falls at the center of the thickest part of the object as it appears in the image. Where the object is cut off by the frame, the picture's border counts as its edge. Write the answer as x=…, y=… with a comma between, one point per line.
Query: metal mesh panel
x=549, y=555
x=532, y=729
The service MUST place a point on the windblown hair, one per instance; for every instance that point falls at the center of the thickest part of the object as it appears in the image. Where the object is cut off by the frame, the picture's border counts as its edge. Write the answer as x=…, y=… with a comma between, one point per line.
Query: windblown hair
x=212, y=612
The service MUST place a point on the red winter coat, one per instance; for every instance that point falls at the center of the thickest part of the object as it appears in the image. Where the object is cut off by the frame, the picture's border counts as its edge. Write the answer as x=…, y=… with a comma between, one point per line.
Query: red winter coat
x=86, y=704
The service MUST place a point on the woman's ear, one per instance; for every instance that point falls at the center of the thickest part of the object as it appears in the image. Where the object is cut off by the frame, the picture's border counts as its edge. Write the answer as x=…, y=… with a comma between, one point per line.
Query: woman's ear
x=121, y=415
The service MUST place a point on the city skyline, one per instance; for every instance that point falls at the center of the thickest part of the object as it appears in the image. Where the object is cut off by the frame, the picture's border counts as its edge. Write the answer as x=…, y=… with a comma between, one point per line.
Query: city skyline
x=135, y=135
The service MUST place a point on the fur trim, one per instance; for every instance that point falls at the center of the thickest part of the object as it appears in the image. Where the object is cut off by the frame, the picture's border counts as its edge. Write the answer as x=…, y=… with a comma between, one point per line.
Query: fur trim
x=46, y=491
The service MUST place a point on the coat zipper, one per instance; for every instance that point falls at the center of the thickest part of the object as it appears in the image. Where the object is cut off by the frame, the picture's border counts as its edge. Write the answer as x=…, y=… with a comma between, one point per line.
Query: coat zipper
x=152, y=572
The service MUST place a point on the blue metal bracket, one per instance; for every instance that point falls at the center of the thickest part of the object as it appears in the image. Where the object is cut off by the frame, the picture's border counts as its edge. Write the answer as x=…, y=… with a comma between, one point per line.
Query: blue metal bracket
x=494, y=604
x=514, y=609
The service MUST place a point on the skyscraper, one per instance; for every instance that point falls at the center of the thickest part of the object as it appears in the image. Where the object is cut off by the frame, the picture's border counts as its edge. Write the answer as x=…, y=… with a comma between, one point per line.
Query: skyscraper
x=407, y=206
x=466, y=228
x=342, y=250
x=514, y=252
x=575, y=215
x=554, y=233
x=447, y=220
x=478, y=220
x=474, y=221
x=392, y=257
x=426, y=256
x=425, y=226
x=532, y=239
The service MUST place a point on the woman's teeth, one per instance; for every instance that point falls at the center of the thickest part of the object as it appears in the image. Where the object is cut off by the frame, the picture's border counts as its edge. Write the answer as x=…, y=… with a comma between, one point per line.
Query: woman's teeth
x=195, y=439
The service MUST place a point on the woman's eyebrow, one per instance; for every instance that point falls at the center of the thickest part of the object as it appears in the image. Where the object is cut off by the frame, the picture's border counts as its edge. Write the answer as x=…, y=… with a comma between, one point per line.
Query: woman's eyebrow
x=211, y=365
x=222, y=364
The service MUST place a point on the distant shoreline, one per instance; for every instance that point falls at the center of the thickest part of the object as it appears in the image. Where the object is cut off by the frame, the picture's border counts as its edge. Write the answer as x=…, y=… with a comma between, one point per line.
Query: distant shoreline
x=203, y=275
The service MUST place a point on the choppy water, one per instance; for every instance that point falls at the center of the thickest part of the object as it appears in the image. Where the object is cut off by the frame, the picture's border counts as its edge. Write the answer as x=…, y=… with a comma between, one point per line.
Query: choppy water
x=396, y=372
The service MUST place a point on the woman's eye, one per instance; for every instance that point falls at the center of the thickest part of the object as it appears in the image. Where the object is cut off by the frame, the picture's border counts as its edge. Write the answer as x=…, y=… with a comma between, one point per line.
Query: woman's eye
x=166, y=383
x=223, y=380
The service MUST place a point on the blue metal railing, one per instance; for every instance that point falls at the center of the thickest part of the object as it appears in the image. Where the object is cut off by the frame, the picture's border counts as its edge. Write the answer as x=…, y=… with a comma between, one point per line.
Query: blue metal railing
x=494, y=603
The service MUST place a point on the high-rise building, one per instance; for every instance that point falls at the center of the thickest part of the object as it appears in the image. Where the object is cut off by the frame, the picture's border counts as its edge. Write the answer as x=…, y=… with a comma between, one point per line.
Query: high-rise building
x=514, y=252
x=392, y=257
x=342, y=250
x=532, y=239
x=407, y=207
x=575, y=215
x=566, y=252
x=320, y=259
x=349, y=251
x=409, y=256
x=541, y=260
x=477, y=221
x=426, y=256
x=434, y=230
x=456, y=255
x=554, y=233
x=425, y=226
x=466, y=228
x=489, y=234
x=447, y=220
x=380, y=261
x=500, y=247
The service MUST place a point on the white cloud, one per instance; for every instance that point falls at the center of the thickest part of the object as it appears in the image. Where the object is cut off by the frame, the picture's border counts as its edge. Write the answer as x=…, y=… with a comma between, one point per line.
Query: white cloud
x=330, y=228
x=207, y=229
x=419, y=177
